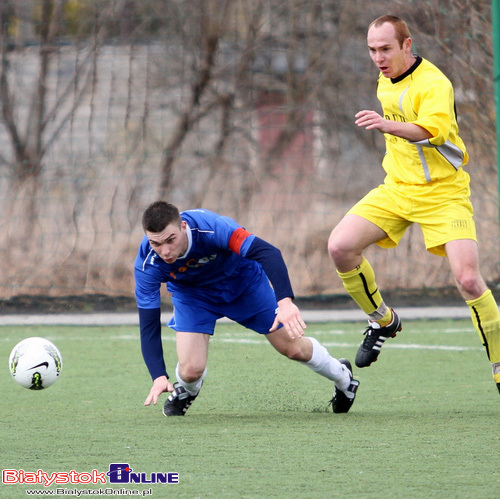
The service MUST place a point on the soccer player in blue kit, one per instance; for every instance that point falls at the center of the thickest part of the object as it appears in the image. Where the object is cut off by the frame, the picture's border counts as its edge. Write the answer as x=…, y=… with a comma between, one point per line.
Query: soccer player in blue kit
x=215, y=268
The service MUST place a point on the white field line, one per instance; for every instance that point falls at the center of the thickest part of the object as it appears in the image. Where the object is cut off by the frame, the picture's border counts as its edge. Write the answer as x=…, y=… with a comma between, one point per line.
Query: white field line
x=131, y=319
x=310, y=316
x=259, y=340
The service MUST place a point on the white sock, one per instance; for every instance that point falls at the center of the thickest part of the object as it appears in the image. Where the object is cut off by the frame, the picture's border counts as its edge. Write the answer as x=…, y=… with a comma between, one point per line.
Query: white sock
x=195, y=386
x=324, y=364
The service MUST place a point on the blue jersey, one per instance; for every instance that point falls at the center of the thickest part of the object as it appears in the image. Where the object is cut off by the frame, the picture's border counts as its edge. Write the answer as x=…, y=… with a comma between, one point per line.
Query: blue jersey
x=213, y=268
x=226, y=271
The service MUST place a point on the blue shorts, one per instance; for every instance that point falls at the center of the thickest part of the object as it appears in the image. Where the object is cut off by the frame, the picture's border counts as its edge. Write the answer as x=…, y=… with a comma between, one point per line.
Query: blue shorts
x=255, y=308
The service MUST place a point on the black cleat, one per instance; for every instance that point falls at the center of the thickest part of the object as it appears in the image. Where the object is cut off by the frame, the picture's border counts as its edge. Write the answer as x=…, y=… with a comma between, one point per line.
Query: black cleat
x=374, y=339
x=343, y=400
x=498, y=386
x=178, y=402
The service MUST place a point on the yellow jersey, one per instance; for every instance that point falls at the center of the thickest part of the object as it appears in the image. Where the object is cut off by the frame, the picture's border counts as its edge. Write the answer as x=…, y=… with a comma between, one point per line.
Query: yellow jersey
x=423, y=96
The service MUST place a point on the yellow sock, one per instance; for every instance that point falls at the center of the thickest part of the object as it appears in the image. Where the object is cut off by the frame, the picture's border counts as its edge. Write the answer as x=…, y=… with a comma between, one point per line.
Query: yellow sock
x=486, y=319
x=361, y=286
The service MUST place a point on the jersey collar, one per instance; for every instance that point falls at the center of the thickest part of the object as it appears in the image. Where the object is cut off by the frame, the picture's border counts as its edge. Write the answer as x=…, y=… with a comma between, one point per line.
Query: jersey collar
x=408, y=71
x=190, y=241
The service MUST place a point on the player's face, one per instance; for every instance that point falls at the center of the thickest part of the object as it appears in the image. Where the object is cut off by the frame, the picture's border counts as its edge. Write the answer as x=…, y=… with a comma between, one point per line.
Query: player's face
x=390, y=58
x=170, y=243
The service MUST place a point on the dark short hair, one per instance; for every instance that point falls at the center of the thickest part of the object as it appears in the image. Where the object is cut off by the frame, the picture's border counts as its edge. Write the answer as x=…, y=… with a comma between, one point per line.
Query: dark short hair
x=158, y=215
x=400, y=26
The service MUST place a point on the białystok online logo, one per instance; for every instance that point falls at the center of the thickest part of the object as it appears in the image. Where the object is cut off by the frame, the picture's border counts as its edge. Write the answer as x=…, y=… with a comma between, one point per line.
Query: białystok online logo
x=118, y=473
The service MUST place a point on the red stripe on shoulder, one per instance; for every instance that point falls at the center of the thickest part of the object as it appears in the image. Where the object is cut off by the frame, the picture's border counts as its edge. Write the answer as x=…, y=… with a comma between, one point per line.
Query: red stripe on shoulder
x=237, y=238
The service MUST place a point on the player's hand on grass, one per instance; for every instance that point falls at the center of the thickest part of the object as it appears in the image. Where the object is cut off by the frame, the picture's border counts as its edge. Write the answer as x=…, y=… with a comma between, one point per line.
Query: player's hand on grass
x=289, y=315
x=160, y=385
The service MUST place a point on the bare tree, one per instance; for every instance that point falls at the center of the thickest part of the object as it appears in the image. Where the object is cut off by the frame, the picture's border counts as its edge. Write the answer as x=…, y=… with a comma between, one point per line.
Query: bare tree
x=242, y=107
x=31, y=136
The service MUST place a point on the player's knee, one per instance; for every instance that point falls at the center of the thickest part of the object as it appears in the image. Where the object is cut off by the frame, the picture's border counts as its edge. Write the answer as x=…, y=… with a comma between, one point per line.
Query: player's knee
x=470, y=283
x=295, y=352
x=336, y=249
x=191, y=372
x=343, y=257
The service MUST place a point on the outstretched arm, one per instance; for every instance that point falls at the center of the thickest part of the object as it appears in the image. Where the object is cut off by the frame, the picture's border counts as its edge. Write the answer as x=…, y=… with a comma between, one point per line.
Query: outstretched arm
x=152, y=351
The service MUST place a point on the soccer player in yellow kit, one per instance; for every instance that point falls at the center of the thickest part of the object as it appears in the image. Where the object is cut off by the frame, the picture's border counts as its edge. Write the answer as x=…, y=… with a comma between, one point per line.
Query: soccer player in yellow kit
x=425, y=184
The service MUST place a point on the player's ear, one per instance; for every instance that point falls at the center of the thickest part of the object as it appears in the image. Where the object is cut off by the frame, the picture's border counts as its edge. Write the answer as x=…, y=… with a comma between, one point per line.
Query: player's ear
x=407, y=44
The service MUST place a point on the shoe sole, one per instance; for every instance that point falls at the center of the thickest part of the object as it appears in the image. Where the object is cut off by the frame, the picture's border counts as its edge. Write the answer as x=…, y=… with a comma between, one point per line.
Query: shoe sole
x=173, y=415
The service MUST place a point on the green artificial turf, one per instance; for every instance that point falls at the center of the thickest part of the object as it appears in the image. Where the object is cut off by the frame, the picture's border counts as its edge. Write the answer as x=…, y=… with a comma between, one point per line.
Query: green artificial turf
x=425, y=423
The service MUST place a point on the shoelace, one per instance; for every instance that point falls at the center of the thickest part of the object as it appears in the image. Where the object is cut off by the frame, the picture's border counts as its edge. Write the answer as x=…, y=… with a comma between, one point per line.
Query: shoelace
x=370, y=339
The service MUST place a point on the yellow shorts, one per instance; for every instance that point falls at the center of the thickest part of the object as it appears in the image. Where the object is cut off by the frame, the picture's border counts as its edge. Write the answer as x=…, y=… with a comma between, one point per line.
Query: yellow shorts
x=442, y=209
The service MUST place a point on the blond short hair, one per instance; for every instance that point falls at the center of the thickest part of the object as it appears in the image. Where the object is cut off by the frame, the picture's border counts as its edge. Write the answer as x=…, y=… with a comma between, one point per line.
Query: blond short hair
x=400, y=26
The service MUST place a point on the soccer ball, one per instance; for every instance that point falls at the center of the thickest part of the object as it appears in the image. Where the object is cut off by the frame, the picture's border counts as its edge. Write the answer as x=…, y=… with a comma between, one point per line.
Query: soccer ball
x=35, y=363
